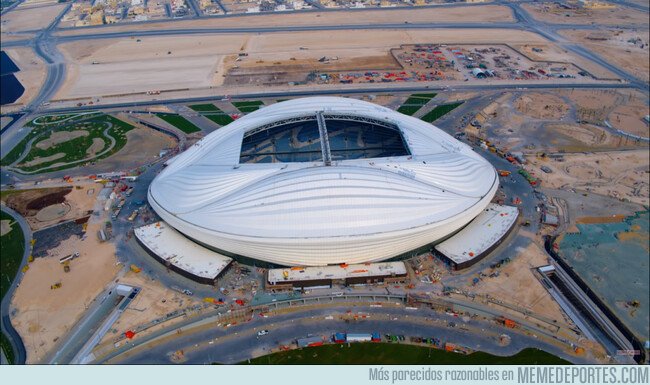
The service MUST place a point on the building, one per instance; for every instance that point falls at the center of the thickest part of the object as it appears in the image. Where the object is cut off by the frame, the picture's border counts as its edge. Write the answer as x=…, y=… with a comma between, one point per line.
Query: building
x=323, y=181
x=326, y=276
x=480, y=237
x=180, y=254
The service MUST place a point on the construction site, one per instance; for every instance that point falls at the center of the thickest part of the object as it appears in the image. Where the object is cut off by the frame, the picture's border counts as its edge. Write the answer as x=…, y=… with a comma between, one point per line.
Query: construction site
x=244, y=62
x=408, y=63
x=553, y=95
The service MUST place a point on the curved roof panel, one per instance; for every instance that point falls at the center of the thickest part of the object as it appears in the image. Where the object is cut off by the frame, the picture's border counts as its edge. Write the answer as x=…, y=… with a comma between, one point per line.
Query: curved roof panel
x=387, y=204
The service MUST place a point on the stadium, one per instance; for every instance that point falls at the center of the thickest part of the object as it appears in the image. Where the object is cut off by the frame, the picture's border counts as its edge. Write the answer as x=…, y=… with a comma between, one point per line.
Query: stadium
x=323, y=180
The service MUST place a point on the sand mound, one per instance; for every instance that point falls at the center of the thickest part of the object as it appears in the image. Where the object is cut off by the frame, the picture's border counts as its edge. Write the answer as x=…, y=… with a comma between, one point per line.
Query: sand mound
x=97, y=146
x=53, y=212
x=541, y=106
x=5, y=226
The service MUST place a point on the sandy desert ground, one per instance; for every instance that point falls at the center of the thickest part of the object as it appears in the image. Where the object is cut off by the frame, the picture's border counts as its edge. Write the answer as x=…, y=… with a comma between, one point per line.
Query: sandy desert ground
x=44, y=315
x=623, y=109
x=485, y=13
x=28, y=18
x=565, y=121
x=616, y=49
x=616, y=16
x=153, y=302
x=541, y=106
x=517, y=285
x=618, y=174
x=552, y=52
x=197, y=62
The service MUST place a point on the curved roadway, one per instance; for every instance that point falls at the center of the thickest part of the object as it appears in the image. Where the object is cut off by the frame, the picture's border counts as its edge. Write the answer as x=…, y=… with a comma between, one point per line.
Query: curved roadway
x=16, y=342
x=208, y=342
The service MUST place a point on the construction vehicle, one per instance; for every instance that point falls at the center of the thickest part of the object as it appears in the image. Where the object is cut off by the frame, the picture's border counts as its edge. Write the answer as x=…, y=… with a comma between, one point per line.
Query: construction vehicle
x=66, y=266
x=183, y=291
x=504, y=173
x=507, y=322
x=116, y=213
x=135, y=269
x=531, y=179
x=56, y=286
x=69, y=257
x=133, y=215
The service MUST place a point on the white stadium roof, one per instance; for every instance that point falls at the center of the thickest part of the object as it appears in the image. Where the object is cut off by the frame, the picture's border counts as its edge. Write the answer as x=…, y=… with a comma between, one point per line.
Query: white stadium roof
x=480, y=235
x=380, y=197
x=173, y=247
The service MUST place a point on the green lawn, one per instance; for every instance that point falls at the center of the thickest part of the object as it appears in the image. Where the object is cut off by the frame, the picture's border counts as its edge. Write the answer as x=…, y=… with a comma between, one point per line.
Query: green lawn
x=248, y=106
x=179, y=122
x=213, y=113
x=414, y=103
x=12, y=247
x=204, y=107
x=399, y=354
x=6, y=347
x=440, y=111
x=220, y=119
x=15, y=153
x=74, y=149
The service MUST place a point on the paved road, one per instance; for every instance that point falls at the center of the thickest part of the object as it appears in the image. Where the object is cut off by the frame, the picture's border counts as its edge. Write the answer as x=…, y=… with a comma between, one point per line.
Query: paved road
x=84, y=329
x=240, y=342
x=549, y=31
x=46, y=48
x=11, y=137
x=346, y=90
x=639, y=7
x=16, y=342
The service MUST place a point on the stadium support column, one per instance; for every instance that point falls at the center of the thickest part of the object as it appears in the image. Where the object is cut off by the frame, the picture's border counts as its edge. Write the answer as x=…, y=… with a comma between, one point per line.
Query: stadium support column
x=324, y=140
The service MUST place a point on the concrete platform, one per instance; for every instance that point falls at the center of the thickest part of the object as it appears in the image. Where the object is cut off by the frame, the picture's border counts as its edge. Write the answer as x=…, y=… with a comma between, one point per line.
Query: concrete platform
x=180, y=253
x=482, y=235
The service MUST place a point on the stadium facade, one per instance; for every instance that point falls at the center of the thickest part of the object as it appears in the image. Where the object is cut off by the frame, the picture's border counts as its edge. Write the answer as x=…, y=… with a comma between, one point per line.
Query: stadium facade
x=323, y=180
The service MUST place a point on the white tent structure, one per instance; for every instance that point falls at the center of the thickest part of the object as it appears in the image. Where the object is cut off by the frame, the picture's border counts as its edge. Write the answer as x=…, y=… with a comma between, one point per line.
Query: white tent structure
x=323, y=180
